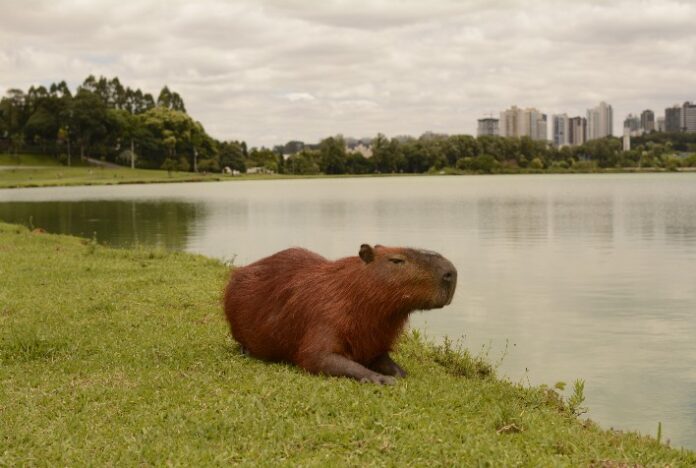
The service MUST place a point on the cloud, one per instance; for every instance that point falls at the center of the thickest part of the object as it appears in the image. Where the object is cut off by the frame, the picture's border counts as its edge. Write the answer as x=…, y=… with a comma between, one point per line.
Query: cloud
x=269, y=71
x=294, y=97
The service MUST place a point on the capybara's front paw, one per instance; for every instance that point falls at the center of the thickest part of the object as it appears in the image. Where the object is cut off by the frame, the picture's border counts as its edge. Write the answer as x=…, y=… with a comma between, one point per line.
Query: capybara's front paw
x=399, y=372
x=379, y=379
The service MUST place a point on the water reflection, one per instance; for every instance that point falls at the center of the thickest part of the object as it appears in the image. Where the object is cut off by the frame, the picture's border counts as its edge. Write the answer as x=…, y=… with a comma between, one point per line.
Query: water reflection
x=581, y=276
x=119, y=223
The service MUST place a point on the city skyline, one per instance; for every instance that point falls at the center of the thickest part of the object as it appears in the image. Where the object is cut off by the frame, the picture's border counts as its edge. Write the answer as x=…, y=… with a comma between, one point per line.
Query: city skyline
x=272, y=71
x=562, y=130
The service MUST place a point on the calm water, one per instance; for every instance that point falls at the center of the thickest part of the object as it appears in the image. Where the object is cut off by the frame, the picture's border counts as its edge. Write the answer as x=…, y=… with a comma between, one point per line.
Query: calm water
x=583, y=276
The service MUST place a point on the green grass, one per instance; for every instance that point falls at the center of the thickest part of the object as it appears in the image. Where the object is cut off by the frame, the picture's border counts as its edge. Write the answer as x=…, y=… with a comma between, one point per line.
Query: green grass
x=65, y=176
x=122, y=357
x=62, y=175
x=27, y=160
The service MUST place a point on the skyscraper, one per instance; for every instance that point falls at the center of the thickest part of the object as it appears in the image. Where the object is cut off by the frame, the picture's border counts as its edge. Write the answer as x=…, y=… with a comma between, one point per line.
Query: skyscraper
x=632, y=123
x=647, y=120
x=541, y=132
x=688, y=117
x=600, y=121
x=510, y=122
x=577, y=131
x=673, y=119
x=560, y=130
x=516, y=122
x=660, y=124
x=488, y=126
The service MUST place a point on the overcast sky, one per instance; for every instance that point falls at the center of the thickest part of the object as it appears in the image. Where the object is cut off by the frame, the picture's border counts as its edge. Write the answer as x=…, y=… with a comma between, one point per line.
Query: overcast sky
x=271, y=71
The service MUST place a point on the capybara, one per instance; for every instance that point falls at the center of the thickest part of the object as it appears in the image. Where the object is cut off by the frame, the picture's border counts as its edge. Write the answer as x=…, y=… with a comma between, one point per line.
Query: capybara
x=336, y=318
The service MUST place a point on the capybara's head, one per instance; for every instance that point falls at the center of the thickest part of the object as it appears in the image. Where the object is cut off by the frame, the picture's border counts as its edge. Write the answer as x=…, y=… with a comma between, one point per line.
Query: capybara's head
x=416, y=279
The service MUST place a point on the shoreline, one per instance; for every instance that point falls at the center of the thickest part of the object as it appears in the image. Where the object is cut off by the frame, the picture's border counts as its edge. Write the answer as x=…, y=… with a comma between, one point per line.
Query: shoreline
x=131, y=358
x=180, y=177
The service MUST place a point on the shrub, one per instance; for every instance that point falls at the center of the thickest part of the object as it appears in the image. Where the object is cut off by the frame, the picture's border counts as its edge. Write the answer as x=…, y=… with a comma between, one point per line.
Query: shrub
x=536, y=164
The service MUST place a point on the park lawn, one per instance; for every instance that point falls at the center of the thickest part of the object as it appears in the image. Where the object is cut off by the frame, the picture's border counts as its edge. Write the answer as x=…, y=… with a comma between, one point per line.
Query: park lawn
x=62, y=175
x=27, y=160
x=65, y=176
x=122, y=357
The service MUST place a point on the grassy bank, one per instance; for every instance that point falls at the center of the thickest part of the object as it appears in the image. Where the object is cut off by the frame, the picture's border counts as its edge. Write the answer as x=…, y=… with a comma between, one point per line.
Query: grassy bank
x=27, y=160
x=44, y=171
x=121, y=357
x=61, y=175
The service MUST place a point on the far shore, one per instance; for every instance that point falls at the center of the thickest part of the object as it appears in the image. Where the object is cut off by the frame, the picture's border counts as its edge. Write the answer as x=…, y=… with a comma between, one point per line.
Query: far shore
x=58, y=176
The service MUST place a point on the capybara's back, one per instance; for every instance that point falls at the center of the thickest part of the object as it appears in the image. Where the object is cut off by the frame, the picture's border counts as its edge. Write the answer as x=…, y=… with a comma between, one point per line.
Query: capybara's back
x=254, y=300
x=335, y=317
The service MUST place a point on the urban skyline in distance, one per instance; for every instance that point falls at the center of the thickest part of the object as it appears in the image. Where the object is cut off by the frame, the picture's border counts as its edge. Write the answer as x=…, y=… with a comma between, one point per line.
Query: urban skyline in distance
x=598, y=122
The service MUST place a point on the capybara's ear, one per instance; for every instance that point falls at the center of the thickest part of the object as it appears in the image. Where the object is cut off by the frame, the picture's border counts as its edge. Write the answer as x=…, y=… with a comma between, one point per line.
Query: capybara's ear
x=366, y=253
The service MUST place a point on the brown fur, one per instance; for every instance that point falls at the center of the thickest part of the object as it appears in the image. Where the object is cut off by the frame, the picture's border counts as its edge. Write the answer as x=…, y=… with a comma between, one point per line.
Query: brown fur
x=336, y=318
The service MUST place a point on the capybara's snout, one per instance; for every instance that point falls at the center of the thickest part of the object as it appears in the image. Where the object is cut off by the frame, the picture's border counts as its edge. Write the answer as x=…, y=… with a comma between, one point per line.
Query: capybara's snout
x=449, y=280
x=446, y=273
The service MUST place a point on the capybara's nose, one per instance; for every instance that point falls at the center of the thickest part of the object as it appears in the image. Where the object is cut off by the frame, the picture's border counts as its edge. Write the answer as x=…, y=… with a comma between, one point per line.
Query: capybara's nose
x=450, y=274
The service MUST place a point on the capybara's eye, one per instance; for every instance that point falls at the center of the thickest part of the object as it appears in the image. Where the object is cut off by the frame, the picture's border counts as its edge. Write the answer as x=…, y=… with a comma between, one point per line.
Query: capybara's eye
x=397, y=260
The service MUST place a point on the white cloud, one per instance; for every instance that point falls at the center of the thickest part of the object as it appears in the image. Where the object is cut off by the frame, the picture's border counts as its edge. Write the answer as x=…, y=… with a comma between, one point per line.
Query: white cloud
x=274, y=70
x=294, y=97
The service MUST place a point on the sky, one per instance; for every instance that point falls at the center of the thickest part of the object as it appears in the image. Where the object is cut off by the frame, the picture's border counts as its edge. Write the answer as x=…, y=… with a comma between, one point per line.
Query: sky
x=270, y=71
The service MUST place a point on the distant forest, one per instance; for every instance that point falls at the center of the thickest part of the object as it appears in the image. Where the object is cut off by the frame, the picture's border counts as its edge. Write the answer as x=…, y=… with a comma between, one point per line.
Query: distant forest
x=108, y=121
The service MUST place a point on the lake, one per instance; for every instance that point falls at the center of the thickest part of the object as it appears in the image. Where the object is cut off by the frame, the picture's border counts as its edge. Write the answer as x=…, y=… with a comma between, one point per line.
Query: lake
x=564, y=277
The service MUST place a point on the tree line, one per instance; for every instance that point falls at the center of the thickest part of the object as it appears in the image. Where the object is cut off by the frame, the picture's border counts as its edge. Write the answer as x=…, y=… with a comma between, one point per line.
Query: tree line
x=488, y=154
x=105, y=120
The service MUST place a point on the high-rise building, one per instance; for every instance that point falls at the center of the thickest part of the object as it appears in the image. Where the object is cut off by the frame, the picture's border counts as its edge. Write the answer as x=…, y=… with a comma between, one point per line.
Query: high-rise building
x=559, y=130
x=488, y=126
x=632, y=123
x=541, y=132
x=673, y=119
x=511, y=122
x=516, y=122
x=600, y=121
x=647, y=120
x=660, y=124
x=688, y=117
x=577, y=131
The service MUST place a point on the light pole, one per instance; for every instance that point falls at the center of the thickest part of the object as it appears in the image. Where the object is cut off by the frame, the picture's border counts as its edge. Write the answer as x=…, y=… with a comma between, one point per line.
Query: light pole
x=132, y=155
x=67, y=132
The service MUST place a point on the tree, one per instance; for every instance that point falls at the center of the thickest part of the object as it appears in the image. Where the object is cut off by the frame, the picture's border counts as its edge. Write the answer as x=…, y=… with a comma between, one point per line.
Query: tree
x=305, y=162
x=42, y=126
x=88, y=119
x=387, y=154
x=417, y=156
x=209, y=165
x=169, y=142
x=170, y=100
x=356, y=163
x=169, y=165
x=168, y=133
x=332, y=152
x=231, y=156
x=126, y=128
x=13, y=110
x=263, y=157
x=16, y=143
